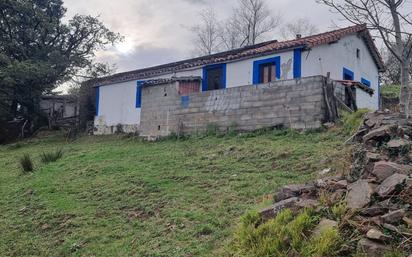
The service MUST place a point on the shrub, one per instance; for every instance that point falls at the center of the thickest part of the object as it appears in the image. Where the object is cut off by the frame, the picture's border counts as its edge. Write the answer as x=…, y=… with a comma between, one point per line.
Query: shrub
x=26, y=163
x=278, y=236
x=51, y=156
x=352, y=121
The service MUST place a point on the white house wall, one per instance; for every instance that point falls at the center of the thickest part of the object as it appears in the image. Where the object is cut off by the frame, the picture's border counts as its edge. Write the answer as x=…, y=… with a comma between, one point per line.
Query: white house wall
x=117, y=105
x=342, y=54
x=241, y=73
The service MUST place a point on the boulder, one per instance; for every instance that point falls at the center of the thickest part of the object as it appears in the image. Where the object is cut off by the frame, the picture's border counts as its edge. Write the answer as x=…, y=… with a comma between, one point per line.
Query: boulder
x=394, y=217
x=374, y=211
x=323, y=225
x=307, y=203
x=378, y=133
x=375, y=234
x=359, y=194
x=390, y=184
x=273, y=210
x=398, y=143
x=371, y=248
x=293, y=191
x=384, y=169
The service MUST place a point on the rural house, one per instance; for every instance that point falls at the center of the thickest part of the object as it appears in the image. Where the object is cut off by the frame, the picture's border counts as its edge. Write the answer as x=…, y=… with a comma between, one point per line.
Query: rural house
x=268, y=84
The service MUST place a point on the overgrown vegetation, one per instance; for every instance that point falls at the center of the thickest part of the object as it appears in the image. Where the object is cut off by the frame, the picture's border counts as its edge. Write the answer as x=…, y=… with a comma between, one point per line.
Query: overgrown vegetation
x=118, y=196
x=285, y=235
x=390, y=91
x=51, y=156
x=352, y=121
x=26, y=163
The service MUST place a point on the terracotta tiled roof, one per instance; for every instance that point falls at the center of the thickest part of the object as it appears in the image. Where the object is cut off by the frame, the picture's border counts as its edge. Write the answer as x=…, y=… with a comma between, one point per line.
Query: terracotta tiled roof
x=248, y=52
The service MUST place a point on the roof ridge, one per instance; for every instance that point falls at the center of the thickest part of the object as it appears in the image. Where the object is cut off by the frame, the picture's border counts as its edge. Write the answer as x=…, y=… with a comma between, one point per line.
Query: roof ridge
x=240, y=53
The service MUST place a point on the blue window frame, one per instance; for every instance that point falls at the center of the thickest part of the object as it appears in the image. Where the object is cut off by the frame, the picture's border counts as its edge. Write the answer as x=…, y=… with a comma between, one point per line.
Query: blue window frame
x=97, y=100
x=348, y=74
x=139, y=94
x=257, y=65
x=297, y=63
x=366, y=82
x=217, y=71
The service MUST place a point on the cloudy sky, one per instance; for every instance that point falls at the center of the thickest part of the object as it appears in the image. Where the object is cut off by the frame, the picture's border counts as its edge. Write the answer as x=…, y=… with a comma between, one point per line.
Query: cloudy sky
x=158, y=31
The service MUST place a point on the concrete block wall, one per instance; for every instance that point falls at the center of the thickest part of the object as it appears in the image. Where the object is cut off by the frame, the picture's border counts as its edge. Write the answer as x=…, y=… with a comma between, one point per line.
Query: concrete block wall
x=298, y=104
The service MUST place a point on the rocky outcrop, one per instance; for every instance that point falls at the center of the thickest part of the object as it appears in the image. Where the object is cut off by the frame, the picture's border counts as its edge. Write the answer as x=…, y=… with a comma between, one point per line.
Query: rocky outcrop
x=377, y=189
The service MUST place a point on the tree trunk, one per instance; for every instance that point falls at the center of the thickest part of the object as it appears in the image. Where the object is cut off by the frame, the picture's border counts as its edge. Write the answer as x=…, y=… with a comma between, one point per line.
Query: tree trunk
x=406, y=91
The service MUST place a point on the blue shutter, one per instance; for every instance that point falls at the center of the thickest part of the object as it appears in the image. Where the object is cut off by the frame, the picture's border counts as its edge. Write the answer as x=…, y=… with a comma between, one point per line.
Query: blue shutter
x=139, y=94
x=297, y=63
x=366, y=82
x=97, y=100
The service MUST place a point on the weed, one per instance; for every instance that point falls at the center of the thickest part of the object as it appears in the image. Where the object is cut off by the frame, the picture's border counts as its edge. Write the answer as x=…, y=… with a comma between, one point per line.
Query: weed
x=327, y=244
x=232, y=130
x=51, y=156
x=352, y=121
x=339, y=209
x=26, y=163
x=212, y=129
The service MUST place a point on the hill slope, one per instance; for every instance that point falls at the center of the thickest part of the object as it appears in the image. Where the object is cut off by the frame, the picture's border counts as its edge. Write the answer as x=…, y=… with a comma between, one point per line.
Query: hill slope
x=114, y=196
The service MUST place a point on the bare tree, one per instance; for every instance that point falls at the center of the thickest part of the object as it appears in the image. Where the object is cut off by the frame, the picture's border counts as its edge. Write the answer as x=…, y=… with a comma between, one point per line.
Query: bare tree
x=208, y=33
x=230, y=34
x=301, y=26
x=392, y=22
x=254, y=21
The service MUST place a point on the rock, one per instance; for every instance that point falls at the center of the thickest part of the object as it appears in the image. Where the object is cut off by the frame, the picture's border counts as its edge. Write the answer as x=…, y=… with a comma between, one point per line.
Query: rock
x=384, y=169
x=45, y=226
x=394, y=217
x=372, y=156
x=325, y=171
x=378, y=133
x=390, y=227
x=375, y=234
x=371, y=248
x=398, y=143
x=293, y=191
x=273, y=210
x=374, y=211
x=359, y=194
x=307, y=203
x=267, y=213
x=294, y=204
x=323, y=225
x=407, y=221
x=389, y=185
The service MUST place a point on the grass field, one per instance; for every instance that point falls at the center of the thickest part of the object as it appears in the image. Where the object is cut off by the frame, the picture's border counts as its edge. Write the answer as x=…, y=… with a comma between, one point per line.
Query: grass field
x=116, y=196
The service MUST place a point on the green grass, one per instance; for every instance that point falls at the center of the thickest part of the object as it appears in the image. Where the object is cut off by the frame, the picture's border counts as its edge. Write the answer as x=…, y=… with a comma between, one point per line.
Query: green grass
x=390, y=91
x=112, y=196
x=285, y=235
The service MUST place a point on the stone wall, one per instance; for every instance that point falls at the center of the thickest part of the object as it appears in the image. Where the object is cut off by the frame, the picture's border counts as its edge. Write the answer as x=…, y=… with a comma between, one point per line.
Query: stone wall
x=298, y=104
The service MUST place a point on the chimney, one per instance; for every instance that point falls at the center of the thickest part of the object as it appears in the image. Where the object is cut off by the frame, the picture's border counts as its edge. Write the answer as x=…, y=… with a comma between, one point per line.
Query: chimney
x=298, y=36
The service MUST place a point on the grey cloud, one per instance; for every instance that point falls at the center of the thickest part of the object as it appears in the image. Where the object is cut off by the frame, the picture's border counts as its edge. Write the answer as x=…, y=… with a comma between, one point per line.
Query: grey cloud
x=158, y=29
